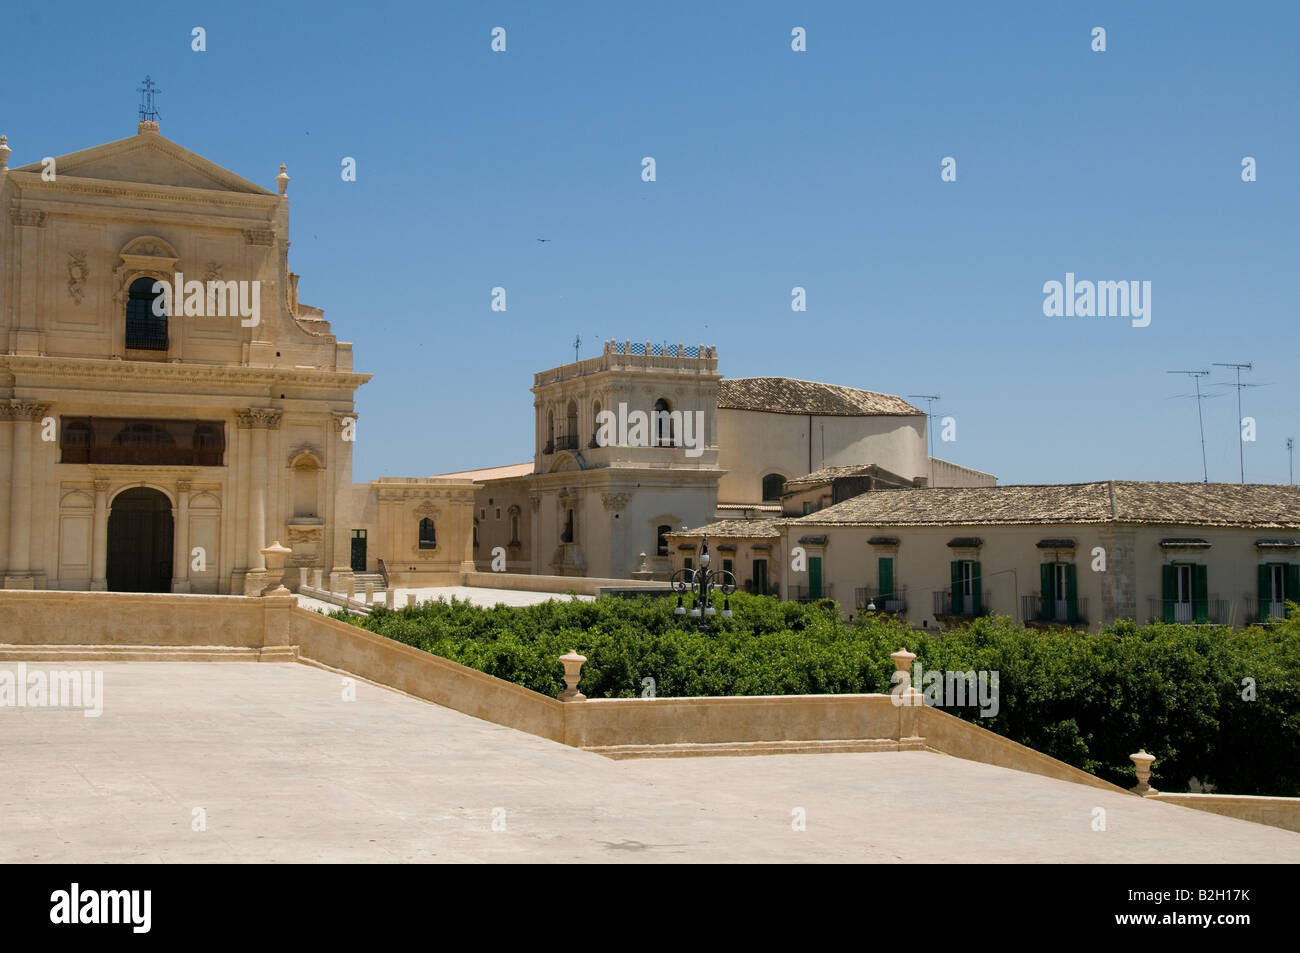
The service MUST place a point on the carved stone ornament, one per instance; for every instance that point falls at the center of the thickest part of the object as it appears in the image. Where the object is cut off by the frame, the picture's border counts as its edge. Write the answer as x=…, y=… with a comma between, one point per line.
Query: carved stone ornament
x=29, y=217
x=77, y=274
x=427, y=510
x=259, y=236
x=258, y=418
x=22, y=410
x=615, y=501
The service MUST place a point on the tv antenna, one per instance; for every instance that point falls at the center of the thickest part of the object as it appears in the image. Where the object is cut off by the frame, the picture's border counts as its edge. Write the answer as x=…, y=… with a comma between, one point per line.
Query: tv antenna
x=1290, y=452
x=929, y=425
x=1196, y=376
x=1241, y=444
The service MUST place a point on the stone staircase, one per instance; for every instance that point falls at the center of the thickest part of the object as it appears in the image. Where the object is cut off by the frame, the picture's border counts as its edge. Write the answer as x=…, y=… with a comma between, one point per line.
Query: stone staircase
x=377, y=579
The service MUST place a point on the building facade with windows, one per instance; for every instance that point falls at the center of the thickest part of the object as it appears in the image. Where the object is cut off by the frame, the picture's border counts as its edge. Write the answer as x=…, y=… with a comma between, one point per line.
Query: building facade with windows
x=1078, y=555
x=160, y=446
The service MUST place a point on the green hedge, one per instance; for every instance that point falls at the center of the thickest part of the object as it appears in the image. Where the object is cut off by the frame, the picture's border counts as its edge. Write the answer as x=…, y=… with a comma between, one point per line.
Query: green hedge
x=1089, y=700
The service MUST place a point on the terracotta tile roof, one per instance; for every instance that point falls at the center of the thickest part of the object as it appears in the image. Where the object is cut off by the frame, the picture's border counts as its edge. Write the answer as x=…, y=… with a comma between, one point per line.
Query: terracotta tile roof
x=1190, y=504
x=785, y=395
x=827, y=474
x=735, y=528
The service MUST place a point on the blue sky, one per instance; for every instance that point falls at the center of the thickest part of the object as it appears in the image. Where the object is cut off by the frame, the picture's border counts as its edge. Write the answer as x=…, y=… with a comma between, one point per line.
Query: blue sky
x=774, y=169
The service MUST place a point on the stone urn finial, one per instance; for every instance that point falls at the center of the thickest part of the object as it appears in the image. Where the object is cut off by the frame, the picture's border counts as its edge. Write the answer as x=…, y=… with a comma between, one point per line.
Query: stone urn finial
x=4, y=153
x=903, y=660
x=1143, y=762
x=572, y=675
x=275, y=555
x=282, y=180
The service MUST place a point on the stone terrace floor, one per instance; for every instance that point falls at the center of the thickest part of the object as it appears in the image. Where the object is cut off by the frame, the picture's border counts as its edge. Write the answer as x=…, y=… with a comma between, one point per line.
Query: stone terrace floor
x=286, y=770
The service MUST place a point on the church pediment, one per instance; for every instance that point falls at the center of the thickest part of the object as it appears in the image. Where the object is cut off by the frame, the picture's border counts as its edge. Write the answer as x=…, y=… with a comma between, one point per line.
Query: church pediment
x=149, y=159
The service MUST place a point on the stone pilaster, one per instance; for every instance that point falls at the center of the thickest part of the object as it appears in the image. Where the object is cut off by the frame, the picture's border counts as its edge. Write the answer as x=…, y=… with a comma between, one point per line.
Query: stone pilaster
x=181, y=543
x=99, y=539
x=345, y=425
x=26, y=416
x=1119, y=595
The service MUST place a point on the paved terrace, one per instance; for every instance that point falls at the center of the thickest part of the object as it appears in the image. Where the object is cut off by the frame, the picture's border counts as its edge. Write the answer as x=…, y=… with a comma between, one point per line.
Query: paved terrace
x=288, y=771
x=478, y=595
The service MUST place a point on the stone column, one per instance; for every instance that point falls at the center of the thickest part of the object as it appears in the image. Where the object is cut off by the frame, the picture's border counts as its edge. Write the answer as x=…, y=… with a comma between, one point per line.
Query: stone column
x=258, y=420
x=341, y=480
x=26, y=415
x=6, y=455
x=181, y=541
x=99, y=554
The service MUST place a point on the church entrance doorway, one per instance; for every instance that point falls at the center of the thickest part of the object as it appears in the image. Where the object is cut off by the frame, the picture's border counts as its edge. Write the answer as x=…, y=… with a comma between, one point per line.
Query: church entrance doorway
x=140, y=542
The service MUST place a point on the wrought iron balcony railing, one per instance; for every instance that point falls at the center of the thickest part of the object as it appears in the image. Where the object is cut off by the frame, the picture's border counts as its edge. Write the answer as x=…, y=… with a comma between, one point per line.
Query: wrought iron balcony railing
x=893, y=601
x=810, y=593
x=962, y=606
x=1054, y=611
x=1213, y=611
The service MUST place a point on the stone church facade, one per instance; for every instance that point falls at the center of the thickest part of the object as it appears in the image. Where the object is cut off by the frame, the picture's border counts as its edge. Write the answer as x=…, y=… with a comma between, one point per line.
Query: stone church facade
x=150, y=448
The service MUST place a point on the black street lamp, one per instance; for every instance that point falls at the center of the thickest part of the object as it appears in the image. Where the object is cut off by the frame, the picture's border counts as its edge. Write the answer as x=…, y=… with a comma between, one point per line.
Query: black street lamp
x=701, y=582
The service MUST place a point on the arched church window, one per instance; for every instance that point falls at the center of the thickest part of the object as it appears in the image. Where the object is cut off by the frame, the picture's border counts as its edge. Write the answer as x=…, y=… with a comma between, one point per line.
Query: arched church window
x=663, y=423
x=145, y=330
x=773, y=487
x=567, y=536
x=428, y=539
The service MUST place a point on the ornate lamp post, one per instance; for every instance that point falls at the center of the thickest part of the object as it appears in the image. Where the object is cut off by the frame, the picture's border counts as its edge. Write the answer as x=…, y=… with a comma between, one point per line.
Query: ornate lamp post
x=700, y=583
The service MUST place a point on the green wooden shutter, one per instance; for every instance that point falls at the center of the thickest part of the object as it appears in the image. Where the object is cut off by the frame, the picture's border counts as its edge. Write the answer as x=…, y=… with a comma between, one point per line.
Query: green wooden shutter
x=1200, y=593
x=814, y=577
x=1265, y=589
x=886, y=577
x=1071, y=592
x=1169, y=591
x=975, y=588
x=1046, y=579
x=1292, y=582
x=955, y=603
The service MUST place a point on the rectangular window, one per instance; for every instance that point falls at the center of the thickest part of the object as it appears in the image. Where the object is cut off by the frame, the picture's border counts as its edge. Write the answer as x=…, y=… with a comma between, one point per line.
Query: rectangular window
x=760, y=577
x=807, y=507
x=688, y=563
x=498, y=512
x=1185, y=593
x=966, y=587
x=726, y=565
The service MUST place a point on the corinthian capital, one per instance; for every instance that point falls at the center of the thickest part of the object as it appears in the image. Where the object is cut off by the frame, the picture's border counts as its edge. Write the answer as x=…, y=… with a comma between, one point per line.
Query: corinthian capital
x=258, y=418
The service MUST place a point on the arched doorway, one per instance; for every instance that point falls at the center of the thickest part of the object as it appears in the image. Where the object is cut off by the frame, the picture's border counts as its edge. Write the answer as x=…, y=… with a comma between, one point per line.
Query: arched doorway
x=140, y=542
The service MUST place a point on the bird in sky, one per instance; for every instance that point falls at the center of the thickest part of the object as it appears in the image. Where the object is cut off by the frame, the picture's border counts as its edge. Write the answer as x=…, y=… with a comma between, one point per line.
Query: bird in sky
x=543, y=239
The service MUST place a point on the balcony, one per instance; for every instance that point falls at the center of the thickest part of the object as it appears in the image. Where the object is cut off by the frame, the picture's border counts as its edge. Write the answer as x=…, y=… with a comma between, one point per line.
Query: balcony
x=946, y=607
x=1269, y=613
x=809, y=593
x=566, y=442
x=893, y=601
x=1212, y=611
x=1039, y=612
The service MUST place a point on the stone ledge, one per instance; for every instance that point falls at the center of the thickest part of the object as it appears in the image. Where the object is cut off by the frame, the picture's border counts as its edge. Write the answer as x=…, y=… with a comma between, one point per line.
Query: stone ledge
x=147, y=653
x=741, y=749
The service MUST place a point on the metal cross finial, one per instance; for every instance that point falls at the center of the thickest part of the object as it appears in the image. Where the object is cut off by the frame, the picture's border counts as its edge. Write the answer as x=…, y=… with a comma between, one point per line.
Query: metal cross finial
x=148, y=108
x=577, y=342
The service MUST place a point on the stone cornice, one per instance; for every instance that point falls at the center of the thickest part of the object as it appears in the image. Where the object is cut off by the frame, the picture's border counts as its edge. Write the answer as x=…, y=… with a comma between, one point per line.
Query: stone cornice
x=73, y=367
x=31, y=182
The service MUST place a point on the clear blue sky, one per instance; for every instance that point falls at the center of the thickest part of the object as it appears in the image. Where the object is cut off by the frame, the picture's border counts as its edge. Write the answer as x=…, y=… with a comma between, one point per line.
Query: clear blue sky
x=775, y=169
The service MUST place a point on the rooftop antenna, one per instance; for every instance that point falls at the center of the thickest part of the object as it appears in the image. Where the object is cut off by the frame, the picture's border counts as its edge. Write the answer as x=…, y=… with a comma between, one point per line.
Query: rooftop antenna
x=1241, y=444
x=577, y=342
x=1290, y=450
x=148, y=108
x=929, y=425
x=1196, y=376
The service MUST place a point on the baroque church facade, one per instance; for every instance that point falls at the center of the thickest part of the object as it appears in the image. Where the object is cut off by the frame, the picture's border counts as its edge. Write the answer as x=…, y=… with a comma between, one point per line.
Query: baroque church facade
x=149, y=448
